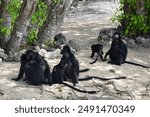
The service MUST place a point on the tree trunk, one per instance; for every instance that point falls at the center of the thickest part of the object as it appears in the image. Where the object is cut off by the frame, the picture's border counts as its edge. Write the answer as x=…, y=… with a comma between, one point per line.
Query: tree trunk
x=21, y=24
x=140, y=7
x=6, y=22
x=54, y=21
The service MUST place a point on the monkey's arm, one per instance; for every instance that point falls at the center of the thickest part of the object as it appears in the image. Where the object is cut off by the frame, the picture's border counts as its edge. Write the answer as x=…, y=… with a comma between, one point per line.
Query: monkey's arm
x=107, y=53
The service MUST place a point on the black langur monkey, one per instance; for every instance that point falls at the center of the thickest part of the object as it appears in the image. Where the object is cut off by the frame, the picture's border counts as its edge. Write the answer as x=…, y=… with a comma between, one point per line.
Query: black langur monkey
x=31, y=63
x=118, y=52
x=71, y=65
x=97, y=48
x=34, y=73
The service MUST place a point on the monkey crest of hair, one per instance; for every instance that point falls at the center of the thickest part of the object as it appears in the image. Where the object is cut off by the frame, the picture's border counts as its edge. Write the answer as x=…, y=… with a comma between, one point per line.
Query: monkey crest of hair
x=116, y=35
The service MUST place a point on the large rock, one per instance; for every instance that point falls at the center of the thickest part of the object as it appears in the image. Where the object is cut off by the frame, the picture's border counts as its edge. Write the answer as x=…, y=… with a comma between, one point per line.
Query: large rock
x=74, y=45
x=37, y=48
x=52, y=55
x=14, y=57
x=140, y=40
x=105, y=35
x=3, y=55
x=42, y=52
x=130, y=43
x=1, y=50
x=18, y=55
x=147, y=43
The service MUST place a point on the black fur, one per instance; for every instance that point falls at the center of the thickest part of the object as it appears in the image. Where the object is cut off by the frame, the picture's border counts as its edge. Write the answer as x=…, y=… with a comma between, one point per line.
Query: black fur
x=98, y=48
x=118, y=52
x=71, y=65
x=59, y=39
x=35, y=67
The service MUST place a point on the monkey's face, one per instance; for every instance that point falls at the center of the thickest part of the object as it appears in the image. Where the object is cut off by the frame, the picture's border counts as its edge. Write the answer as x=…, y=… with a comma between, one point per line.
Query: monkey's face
x=97, y=48
x=66, y=49
x=30, y=55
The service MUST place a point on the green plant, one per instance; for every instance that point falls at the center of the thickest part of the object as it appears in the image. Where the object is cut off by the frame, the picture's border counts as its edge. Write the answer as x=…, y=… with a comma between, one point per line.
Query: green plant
x=40, y=14
x=13, y=8
x=50, y=43
x=38, y=19
x=136, y=24
x=56, y=1
x=32, y=36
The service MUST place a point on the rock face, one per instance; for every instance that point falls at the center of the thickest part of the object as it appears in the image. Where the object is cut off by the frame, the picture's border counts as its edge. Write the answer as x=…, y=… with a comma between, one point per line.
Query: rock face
x=130, y=43
x=105, y=35
x=147, y=43
x=52, y=55
x=2, y=55
x=74, y=45
x=140, y=40
x=42, y=52
x=1, y=50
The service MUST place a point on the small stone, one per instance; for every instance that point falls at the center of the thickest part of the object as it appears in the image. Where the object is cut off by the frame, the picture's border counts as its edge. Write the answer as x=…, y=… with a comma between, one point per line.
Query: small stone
x=3, y=55
x=37, y=48
x=52, y=55
x=1, y=50
x=42, y=52
x=1, y=60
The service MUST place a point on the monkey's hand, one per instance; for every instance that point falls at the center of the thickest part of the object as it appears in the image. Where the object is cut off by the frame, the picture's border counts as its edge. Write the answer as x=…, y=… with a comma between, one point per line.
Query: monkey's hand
x=15, y=79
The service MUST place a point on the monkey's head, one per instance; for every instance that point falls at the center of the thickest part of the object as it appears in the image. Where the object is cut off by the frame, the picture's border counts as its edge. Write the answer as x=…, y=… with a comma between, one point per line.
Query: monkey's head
x=116, y=38
x=59, y=40
x=66, y=49
x=30, y=55
x=97, y=48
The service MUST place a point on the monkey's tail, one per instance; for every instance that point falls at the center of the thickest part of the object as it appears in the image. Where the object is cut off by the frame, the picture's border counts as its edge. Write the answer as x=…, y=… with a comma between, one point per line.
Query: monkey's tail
x=1, y=93
x=100, y=78
x=95, y=60
x=84, y=70
x=79, y=90
x=132, y=63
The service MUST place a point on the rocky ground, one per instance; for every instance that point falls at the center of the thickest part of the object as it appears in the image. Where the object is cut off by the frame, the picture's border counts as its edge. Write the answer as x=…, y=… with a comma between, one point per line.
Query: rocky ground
x=83, y=27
